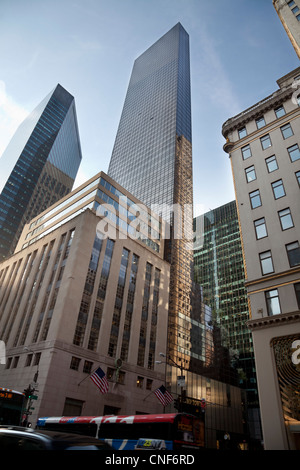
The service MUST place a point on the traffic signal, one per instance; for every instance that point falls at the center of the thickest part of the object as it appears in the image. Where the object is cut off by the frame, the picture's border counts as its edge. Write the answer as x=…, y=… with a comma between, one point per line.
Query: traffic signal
x=177, y=404
x=28, y=392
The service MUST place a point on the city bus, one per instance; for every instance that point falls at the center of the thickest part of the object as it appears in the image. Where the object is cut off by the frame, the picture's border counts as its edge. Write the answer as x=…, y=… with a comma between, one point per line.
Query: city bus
x=172, y=431
x=11, y=406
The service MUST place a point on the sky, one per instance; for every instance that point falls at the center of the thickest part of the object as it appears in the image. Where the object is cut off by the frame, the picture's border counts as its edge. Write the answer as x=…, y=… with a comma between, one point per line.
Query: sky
x=238, y=50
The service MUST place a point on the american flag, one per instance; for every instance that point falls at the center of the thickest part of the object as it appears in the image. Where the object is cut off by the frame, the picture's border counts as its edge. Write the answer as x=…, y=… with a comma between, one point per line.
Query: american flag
x=99, y=379
x=163, y=395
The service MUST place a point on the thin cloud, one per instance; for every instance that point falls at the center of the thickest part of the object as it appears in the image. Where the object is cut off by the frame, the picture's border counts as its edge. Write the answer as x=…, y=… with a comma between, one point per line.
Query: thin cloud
x=11, y=116
x=218, y=85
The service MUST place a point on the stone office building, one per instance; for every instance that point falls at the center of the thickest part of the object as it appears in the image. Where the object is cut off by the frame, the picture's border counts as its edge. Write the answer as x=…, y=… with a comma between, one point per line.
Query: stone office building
x=263, y=143
x=73, y=299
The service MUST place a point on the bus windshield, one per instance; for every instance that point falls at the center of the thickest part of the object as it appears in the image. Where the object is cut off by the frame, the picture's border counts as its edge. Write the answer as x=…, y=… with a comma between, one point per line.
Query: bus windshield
x=168, y=431
x=11, y=406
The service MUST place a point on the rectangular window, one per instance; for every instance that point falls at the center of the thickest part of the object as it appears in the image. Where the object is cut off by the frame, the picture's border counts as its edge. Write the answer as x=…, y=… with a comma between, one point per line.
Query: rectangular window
x=260, y=228
x=246, y=152
x=272, y=300
x=297, y=292
x=271, y=163
x=242, y=132
x=265, y=141
x=286, y=219
x=250, y=174
x=260, y=122
x=75, y=361
x=255, y=199
x=278, y=189
x=286, y=131
x=295, y=10
x=293, y=253
x=149, y=384
x=266, y=263
x=298, y=17
x=294, y=152
x=291, y=3
x=298, y=176
x=280, y=111
x=87, y=367
x=140, y=382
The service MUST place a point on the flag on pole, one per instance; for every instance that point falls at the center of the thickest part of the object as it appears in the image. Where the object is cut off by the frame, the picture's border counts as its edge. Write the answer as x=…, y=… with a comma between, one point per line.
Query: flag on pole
x=163, y=395
x=99, y=379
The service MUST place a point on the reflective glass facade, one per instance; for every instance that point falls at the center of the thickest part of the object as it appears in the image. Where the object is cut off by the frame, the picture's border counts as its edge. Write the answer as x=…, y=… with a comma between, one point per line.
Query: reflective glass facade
x=152, y=158
x=39, y=165
x=157, y=108
x=219, y=268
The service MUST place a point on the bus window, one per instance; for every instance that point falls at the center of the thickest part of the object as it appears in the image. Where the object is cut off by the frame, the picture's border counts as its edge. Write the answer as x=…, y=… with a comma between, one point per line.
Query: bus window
x=11, y=406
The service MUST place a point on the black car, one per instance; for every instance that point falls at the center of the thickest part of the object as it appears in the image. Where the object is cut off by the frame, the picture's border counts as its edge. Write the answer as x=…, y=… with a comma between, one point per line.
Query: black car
x=18, y=438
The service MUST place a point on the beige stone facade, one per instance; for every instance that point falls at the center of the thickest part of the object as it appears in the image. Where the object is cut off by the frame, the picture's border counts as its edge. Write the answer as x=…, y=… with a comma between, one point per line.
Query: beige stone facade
x=71, y=301
x=289, y=15
x=263, y=143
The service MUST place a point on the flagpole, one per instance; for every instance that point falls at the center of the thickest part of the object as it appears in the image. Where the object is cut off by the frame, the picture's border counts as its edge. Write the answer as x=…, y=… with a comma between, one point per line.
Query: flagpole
x=87, y=376
x=148, y=395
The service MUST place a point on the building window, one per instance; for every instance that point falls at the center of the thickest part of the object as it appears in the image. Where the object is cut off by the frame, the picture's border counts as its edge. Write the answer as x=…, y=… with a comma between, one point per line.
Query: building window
x=28, y=360
x=87, y=367
x=250, y=174
x=291, y=3
x=255, y=199
x=242, y=132
x=260, y=122
x=266, y=263
x=293, y=252
x=278, y=189
x=72, y=407
x=286, y=219
x=295, y=10
x=37, y=358
x=294, y=152
x=297, y=292
x=298, y=17
x=298, y=177
x=287, y=131
x=280, y=111
x=140, y=382
x=246, y=152
x=149, y=384
x=265, y=141
x=260, y=228
x=271, y=163
x=15, y=362
x=75, y=361
x=272, y=300
x=115, y=375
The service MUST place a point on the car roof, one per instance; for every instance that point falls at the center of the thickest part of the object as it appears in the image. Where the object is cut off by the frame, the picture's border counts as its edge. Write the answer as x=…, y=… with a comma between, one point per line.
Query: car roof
x=56, y=439
x=53, y=435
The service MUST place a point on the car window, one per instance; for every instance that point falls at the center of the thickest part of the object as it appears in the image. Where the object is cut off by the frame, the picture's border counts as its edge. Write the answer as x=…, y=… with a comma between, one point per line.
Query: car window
x=10, y=442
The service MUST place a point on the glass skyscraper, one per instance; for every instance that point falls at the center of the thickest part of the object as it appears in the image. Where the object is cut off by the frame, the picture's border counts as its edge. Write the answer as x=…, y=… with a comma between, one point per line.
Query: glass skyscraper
x=39, y=165
x=152, y=159
x=219, y=269
x=156, y=114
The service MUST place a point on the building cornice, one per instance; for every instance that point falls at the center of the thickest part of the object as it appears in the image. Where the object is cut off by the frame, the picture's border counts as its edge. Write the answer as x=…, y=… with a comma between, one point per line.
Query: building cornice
x=274, y=320
x=271, y=277
x=272, y=101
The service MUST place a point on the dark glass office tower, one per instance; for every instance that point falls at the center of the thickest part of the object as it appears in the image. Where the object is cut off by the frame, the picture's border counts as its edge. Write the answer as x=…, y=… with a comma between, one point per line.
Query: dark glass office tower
x=152, y=159
x=39, y=165
x=156, y=115
x=219, y=269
